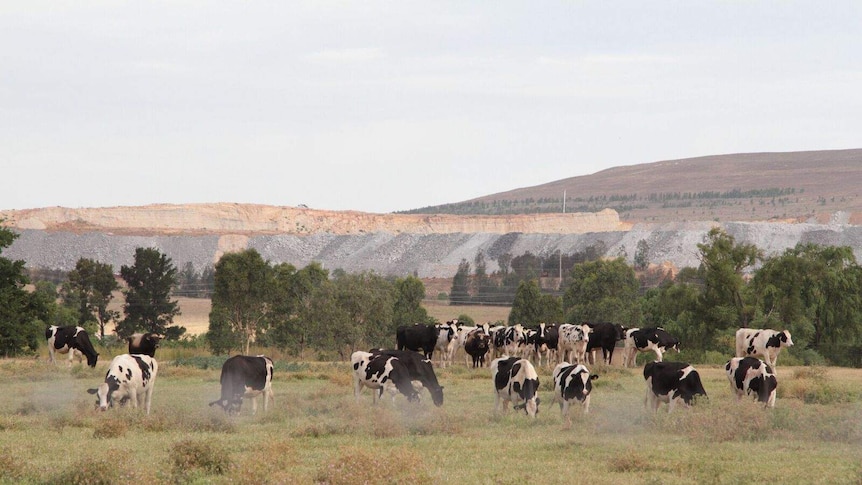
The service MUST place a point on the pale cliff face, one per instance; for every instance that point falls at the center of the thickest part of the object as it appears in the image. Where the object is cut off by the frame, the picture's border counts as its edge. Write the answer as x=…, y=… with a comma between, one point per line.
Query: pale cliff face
x=249, y=219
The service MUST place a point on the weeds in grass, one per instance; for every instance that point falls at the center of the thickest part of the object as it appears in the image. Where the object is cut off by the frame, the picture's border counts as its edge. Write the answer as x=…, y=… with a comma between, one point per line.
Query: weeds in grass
x=11, y=468
x=357, y=465
x=87, y=472
x=190, y=455
x=111, y=427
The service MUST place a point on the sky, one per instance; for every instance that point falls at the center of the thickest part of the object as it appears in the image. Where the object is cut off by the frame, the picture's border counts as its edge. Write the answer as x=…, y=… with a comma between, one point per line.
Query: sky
x=388, y=106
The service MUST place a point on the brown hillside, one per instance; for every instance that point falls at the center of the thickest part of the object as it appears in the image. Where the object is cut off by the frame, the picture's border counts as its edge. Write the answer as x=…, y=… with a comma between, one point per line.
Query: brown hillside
x=819, y=183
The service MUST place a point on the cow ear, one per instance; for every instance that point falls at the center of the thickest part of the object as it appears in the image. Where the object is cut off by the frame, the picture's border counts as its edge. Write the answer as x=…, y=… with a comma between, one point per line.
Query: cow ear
x=92, y=391
x=539, y=400
x=594, y=377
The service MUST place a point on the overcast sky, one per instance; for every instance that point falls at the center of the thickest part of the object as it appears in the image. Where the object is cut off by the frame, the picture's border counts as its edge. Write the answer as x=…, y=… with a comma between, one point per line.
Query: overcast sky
x=386, y=106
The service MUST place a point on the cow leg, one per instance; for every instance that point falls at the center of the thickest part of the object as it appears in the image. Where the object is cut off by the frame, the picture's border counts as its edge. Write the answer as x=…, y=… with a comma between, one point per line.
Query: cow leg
x=564, y=410
x=148, y=398
x=268, y=397
x=254, y=405
x=71, y=356
x=586, y=404
x=51, y=353
x=658, y=354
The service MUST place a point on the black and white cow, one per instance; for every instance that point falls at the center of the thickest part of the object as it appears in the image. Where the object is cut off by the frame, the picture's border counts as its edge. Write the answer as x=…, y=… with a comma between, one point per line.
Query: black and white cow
x=446, y=341
x=72, y=340
x=572, y=343
x=380, y=372
x=417, y=337
x=671, y=382
x=572, y=383
x=420, y=370
x=477, y=344
x=515, y=381
x=144, y=343
x=130, y=380
x=604, y=335
x=748, y=375
x=754, y=342
x=245, y=376
x=654, y=339
x=547, y=339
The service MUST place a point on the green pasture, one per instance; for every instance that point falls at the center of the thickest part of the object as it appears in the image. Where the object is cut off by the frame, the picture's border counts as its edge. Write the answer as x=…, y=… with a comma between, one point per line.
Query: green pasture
x=317, y=433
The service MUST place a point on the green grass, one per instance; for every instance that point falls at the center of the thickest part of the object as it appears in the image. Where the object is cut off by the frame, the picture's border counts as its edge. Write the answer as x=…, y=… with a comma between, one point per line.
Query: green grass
x=317, y=433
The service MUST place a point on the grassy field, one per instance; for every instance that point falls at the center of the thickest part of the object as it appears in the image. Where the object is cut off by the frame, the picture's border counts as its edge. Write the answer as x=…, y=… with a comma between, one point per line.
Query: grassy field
x=318, y=433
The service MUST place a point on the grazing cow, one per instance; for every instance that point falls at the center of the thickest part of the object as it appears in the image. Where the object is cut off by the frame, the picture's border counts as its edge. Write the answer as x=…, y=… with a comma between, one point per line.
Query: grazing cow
x=748, y=375
x=572, y=344
x=245, y=376
x=654, y=339
x=515, y=381
x=419, y=369
x=144, y=343
x=477, y=345
x=418, y=337
x=604, y=335
x=381, y=372
x=130, y=379
x=671, y=382
x=546, y=342
x=572, y=383
x=753, y=342
x=72, y=340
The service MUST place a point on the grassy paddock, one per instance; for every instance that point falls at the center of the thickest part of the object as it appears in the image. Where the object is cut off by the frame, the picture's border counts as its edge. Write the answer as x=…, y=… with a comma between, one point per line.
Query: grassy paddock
x=317, y=433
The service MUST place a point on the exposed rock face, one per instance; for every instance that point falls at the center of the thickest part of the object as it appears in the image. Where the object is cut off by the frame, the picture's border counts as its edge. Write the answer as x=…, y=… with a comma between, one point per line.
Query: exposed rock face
x=430, y=246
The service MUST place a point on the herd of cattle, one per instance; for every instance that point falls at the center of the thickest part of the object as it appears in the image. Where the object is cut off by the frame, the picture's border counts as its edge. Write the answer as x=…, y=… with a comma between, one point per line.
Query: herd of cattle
x=513, y=349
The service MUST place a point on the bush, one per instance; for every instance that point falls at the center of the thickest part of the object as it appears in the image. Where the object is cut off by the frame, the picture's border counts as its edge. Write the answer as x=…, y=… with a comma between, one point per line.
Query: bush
x=114, y=427
x=87, y=472
x=357, y=465
x=190, y=455
x=443, y=296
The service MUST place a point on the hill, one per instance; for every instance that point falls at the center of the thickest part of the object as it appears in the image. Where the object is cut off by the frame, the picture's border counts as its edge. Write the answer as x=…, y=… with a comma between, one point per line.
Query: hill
x=793, y=186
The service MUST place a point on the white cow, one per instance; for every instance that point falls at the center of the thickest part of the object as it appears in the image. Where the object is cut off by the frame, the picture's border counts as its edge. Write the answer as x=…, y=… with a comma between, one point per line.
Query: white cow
x=130, y=379
x=754, y=342
x=572, y=344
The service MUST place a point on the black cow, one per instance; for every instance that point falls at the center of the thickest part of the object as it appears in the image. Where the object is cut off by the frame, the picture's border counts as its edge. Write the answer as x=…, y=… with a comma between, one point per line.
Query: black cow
x=419, y=369
x=245, y=376
x=654, y=339
x=380, y=372
x=144, y=343
x=71, y=340
x=750, y=375
x=418, y=337
x=604, y=336
x=547, y=339
x=670, y=382
x=476, y=345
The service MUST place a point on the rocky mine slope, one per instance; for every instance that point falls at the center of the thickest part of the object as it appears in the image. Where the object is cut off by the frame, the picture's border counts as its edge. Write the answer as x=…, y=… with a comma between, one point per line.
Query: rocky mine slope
x=391, y=244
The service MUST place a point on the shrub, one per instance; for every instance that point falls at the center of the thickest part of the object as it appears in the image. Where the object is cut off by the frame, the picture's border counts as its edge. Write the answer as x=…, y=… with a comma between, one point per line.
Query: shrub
x=190, y=455
x=114, y=427
x=357, y=465
x=87, y=472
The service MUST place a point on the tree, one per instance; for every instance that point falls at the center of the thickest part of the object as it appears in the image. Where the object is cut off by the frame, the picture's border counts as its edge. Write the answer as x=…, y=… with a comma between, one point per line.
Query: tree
x=602, y=290
x=93, y=284
x=23, y=314
x=641, y=258
x=148, y=305
x=407, y=309
x=526, y=308
x=241, y=299
x=721, y=303
x=460, y=292
x=293, y=297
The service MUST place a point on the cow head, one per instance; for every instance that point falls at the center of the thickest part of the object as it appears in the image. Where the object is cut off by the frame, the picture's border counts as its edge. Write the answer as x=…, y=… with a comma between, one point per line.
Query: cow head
x=786, y=341
x=231, y=406
x=105, y=392
x=530, y=407
x=92, y=359
x=437, y=395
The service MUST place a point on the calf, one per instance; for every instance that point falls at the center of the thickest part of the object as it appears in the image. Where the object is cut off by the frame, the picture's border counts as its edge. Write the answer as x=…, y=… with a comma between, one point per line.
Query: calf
x=654, y=339
x=144, y=343
x=477, y=345
x=748, y=375
x=515, y=381
x=572, y=344
x=417, y=337
x=604, y=336
x=245, y=376
x=753, y=342
x=72, y=340
x=572, y=383
x=380, y=373
x=130, y=379
x=419, y=370
x=671, y=382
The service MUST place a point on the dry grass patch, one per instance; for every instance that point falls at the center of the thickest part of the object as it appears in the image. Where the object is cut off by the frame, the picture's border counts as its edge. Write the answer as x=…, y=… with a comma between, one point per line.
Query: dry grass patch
x=360, y=466
x=87, y=472
x=111, y=427
x=190, y=458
